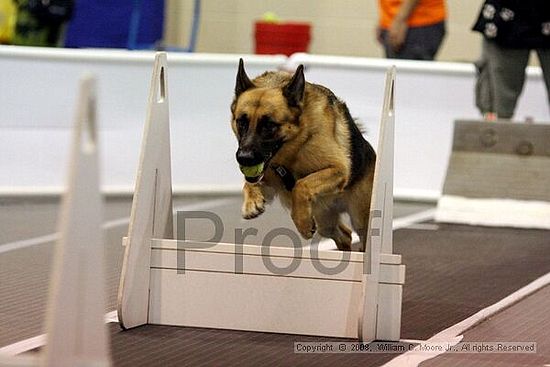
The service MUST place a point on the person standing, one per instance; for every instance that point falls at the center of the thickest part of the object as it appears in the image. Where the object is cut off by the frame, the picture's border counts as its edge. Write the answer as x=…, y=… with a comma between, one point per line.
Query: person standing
x=41, y=22
x=510, y=29
x=411, y=29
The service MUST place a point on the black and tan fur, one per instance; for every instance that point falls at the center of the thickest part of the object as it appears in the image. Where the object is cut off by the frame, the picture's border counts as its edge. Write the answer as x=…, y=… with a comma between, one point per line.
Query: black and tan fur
x=284, y=121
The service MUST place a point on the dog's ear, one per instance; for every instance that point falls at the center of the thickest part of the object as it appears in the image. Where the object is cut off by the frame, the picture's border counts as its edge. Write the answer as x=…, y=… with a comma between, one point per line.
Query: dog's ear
x=243, y=82
x=294, y=90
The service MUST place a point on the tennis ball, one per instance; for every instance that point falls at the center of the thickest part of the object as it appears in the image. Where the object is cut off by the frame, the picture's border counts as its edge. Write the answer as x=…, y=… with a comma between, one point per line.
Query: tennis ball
x=270, y=17
x=252, y=171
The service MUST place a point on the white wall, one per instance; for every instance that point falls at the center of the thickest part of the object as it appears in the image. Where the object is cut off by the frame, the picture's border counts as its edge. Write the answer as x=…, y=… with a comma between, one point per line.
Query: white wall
x=345, y=28
x=37, y=101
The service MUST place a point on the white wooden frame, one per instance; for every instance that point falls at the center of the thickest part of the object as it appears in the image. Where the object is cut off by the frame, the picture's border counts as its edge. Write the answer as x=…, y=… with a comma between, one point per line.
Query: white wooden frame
x=76, y=335
x=231, y=286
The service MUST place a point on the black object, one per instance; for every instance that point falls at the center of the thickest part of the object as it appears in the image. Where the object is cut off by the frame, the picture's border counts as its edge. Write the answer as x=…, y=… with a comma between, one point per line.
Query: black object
x=51, y=11
x=515, y=23
x=286, y=176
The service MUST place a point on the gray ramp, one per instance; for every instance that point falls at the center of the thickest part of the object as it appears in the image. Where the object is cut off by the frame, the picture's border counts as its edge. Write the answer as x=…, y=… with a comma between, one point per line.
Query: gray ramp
x=498, y=175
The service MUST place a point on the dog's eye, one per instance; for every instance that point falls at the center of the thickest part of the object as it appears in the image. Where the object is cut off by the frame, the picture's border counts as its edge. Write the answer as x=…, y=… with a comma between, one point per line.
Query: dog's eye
x=268, y=126
x=242, y=124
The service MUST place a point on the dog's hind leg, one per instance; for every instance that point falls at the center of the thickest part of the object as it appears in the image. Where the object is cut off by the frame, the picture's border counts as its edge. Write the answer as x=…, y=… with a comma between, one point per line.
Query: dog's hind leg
x=343, y=238
x=330, y=226
x=359, y=222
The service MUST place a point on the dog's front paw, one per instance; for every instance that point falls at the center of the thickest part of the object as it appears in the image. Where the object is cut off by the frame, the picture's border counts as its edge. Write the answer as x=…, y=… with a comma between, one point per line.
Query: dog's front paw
x=254, y=201
x=251, y=209
x=305, y=224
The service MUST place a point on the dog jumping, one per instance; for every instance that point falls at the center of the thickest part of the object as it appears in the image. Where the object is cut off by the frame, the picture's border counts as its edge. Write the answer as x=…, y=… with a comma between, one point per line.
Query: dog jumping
x=298, y=141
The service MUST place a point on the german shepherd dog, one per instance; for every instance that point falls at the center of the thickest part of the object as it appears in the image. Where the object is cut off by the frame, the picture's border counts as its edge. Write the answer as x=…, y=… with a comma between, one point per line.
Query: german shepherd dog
x=298, y=141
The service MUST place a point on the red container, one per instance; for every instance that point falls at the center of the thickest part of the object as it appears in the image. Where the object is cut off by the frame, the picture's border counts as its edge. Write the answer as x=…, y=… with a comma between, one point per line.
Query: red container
x=281, y=38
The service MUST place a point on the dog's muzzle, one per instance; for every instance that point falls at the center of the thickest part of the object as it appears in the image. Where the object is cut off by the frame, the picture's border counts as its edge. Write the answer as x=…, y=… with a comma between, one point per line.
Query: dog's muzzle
x=253, y=164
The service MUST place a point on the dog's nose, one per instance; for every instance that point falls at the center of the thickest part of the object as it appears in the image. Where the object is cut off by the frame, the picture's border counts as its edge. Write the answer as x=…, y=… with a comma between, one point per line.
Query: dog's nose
x=247, y=157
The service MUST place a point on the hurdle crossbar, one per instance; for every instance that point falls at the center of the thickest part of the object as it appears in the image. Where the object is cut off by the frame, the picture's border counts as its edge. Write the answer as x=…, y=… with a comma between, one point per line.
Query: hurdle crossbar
x=241, y=287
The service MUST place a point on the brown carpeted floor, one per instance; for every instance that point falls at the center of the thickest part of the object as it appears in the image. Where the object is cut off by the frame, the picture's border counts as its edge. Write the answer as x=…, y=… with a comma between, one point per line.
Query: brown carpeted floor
x=525, y=321
x=451, y=273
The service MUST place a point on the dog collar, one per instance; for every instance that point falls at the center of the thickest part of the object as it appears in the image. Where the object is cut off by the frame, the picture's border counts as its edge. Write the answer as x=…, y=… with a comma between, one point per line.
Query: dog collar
x=286, y=176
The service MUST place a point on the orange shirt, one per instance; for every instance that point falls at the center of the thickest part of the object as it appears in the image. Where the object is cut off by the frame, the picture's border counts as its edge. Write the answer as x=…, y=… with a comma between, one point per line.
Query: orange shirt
x=426, y=12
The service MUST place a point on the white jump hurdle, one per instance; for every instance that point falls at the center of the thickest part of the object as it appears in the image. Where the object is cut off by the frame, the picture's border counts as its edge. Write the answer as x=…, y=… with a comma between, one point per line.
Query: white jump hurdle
x=75, y=326
x=230, y=286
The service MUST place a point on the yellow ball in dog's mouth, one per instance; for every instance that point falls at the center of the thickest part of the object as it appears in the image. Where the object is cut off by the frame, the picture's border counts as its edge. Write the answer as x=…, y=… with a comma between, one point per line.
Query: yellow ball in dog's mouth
x=252, y=171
